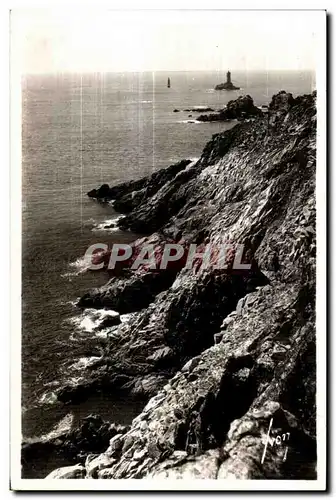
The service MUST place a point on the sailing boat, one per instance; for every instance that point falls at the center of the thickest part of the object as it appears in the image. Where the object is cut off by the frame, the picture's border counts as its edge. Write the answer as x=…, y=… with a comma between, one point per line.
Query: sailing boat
x=168, y=83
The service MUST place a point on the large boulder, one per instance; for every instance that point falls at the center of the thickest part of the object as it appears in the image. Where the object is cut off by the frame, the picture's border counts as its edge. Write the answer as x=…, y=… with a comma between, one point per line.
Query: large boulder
x=92, y=435
x=283, y=101
x=279, y=106
x=69, y=472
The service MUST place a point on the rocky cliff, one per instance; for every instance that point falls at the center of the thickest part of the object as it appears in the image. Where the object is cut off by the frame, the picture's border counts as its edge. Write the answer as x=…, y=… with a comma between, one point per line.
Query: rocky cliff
x=225, y=360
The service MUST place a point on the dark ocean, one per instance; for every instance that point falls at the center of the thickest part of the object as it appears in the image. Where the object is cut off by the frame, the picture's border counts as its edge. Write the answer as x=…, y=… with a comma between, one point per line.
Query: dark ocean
x=78, y=132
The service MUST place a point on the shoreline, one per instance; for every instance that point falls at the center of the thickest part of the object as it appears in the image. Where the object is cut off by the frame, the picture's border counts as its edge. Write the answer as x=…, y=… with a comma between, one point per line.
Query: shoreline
x=191, y=345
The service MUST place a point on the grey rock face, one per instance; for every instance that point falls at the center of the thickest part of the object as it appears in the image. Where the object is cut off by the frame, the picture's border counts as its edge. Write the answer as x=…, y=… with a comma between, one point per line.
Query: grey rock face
x=211, y=406
x=70, y=472
x=241, y=108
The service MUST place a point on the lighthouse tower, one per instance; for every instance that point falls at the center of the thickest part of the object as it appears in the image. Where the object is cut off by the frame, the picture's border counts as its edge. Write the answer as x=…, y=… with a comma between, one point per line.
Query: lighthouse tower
x=228, y=85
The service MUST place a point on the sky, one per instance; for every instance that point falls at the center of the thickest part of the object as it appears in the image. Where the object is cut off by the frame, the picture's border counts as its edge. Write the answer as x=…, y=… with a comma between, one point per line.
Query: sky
x=46, y=41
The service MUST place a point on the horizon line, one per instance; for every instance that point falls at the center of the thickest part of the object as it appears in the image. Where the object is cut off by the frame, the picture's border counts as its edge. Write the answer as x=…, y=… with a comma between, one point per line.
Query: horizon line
x=86, y=71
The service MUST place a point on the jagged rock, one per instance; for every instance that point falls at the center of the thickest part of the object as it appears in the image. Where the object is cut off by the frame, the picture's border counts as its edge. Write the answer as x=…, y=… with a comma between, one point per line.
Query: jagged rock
x=240, y=108
x=128, y=195
x=215, y=207
x=254, y=185
x=116, y=444
x=218, y=337
x=205, y=465
x=229, y=319
x=145, y=386
x=96, y=463
x=161, y=355
x=286, y=443
x=198, y=109
x=70, y=472
x=208, y=412
x=156, y=241
x=91, y=436
x=109, y=321
x=281, y=102
x=102, y=192
x=190, y=365
x=130, y=294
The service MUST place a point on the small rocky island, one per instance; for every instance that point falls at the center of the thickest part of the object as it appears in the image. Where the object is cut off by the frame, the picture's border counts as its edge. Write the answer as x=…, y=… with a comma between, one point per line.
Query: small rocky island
x=228, y=85
x=239, y=109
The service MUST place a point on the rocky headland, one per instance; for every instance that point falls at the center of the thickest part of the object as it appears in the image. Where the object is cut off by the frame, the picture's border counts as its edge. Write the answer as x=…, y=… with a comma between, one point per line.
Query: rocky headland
x=216, y=356
x=237, y=109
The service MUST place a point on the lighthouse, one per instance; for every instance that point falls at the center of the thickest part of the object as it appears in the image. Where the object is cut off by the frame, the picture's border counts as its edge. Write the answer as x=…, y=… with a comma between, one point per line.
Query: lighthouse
x=228, y=85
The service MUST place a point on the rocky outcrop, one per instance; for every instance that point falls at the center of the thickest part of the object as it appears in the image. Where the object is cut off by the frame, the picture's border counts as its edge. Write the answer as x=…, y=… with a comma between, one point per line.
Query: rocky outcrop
x=226, y=86
x=69, y=472
x=91, y=436
x=228, y=359
x=219, y=406
x=128, y=195
x=237, y=109
x=199, y=109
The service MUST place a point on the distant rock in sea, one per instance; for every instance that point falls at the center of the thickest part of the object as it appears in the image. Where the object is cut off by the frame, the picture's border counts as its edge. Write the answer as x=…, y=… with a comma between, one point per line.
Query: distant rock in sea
x=228, y=85
x=238, y=109
x=199, y=109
